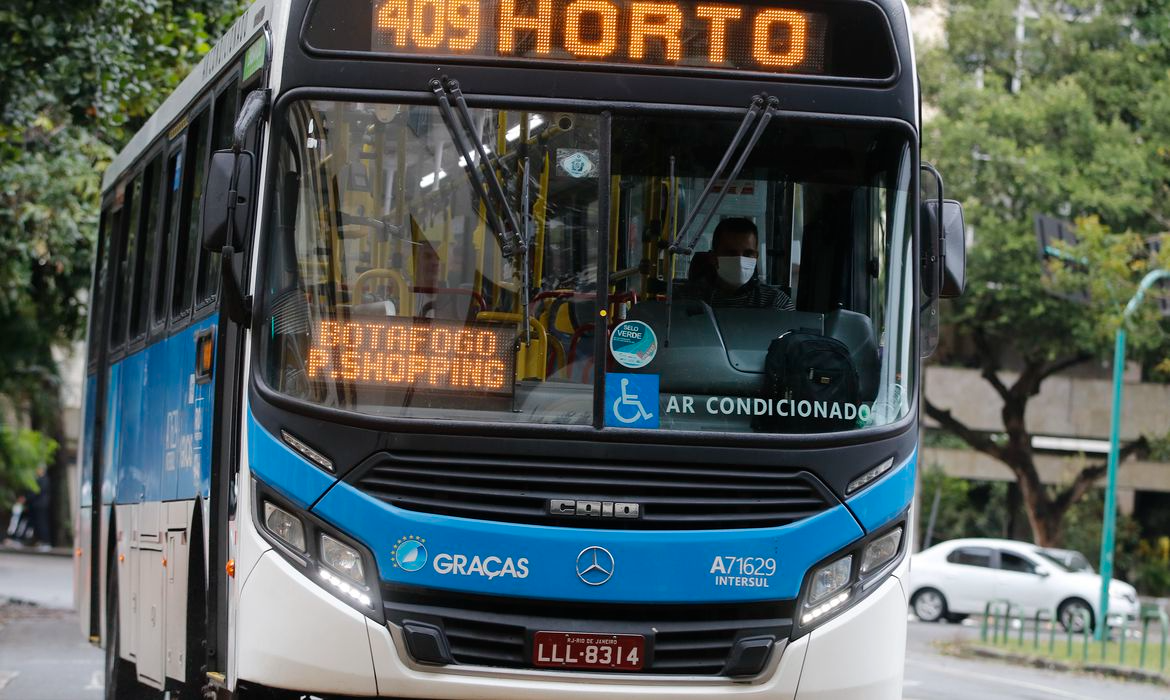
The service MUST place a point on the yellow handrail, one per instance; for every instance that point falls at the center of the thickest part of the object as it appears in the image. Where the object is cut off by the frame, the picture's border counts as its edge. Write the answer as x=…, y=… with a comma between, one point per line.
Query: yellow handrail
x=532, y=359
x=405, y=297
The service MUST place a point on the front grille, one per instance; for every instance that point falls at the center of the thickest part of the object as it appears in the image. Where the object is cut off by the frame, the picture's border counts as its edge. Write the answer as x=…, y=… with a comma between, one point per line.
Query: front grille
x=672, y=495
x=680, y=639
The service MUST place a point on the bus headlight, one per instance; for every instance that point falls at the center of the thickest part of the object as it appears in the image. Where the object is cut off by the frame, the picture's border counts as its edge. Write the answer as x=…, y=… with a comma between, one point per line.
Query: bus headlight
x=879, y=552
x=338, y=564
x=848, y=577
x=830, y=579
x=287, y=527
x=343, y=559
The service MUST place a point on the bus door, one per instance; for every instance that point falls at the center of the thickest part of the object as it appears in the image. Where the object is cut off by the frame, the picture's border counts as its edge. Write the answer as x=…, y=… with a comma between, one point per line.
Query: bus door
x=227, y=374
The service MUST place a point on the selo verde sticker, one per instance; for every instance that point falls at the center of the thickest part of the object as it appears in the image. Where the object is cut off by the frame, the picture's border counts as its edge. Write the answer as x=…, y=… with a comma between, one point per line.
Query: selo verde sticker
x=633, y=344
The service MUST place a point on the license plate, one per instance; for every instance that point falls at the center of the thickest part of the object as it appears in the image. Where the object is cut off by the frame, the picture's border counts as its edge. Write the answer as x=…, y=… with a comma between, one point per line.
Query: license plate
x=586, y=650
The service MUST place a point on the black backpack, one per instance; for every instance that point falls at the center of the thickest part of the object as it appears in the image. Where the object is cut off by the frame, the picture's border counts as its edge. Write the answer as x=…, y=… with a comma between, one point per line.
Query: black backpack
x=811, y=378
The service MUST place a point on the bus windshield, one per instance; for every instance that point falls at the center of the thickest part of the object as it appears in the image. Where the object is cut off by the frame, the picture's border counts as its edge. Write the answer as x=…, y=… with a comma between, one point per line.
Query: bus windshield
x=387, y=291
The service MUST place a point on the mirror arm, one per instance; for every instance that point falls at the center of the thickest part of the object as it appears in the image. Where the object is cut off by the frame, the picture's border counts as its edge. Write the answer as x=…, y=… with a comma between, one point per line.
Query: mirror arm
x=940, y=234
x=237, y=305
x=255, y=107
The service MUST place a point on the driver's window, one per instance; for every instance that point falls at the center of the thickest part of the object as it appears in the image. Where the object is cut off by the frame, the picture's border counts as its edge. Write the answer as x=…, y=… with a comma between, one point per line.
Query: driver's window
x=1014, y=562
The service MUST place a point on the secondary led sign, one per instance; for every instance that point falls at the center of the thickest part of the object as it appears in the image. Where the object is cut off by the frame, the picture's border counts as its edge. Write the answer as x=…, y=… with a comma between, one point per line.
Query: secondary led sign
x=412, y=354
x=633, y=32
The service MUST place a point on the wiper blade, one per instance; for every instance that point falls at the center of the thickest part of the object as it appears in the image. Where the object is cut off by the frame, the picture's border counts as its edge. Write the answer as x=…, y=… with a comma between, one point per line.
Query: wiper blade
x=465, y=139
x=518, y=241
x=761, y=111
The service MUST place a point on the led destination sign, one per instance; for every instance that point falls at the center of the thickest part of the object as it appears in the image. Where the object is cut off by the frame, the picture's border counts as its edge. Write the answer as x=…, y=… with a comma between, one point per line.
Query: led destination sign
x=409, y=354
x=684, y=34
x=851, y=39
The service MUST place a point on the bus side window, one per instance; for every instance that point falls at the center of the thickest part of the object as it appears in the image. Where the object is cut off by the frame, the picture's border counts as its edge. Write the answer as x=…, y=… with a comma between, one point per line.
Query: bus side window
x=226, y=107
x=109, y=222
x=187, y=242
x=146, y=254
x=172, y=180
x=124, y=272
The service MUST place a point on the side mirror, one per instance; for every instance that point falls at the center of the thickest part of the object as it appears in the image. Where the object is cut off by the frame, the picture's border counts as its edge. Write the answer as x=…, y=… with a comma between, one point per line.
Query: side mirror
x=227, y=198
x=953, y=268
x=1042, y=572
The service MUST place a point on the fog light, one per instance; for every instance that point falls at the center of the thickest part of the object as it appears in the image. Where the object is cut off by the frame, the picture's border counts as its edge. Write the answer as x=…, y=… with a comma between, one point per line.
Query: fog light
x=830, y=579
x=286, y=526
x=879, y=552
x=343, y=559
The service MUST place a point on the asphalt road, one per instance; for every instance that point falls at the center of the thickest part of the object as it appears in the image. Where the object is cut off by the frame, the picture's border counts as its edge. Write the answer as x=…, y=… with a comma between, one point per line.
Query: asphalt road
x=43, y=655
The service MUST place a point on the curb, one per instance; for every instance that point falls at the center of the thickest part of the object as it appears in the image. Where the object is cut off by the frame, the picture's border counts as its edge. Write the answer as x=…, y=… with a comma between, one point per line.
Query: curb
x=1121, y=672
x=51, y=552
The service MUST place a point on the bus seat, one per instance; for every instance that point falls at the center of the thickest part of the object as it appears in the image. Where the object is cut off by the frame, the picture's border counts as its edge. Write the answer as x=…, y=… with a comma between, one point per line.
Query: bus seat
x=562, y=320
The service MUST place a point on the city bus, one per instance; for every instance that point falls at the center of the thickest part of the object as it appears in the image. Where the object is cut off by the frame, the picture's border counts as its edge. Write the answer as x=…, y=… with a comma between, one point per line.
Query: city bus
x=515, y=349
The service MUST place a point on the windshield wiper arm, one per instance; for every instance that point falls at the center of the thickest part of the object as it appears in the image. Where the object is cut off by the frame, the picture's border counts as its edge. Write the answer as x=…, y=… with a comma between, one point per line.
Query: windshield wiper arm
x=478, y=185
x=519, y=241
x=761, y=111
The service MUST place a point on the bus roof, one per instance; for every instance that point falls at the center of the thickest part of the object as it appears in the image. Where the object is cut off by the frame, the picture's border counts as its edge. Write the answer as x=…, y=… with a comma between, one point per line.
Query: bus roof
x=250, y=24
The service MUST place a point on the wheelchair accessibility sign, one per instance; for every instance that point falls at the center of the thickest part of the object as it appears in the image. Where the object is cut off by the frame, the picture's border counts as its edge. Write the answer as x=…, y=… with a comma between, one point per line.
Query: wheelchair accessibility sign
x=631, y=401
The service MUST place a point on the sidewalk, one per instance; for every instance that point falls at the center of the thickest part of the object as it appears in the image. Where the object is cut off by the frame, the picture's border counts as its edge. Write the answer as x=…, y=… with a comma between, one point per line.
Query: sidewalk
x=51, y=551
x=37, y=578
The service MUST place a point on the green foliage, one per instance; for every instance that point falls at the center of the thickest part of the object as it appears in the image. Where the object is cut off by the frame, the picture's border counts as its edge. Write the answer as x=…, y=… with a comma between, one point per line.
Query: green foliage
x=76, y=80
x=981, y=509
x=1072, y=122
x=1160, y=448
x=22, y=452
x=965, y=508
x=1143, y=562
x=1085, y=137
x=941, y=439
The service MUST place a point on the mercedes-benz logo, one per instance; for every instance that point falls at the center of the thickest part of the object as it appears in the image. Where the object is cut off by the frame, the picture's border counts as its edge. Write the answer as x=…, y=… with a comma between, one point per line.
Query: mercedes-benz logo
x=594, y=565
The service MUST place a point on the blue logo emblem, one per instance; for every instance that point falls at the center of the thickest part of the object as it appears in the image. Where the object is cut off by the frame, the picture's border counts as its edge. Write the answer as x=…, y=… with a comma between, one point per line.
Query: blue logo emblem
x=631, y=401
x=595, y=565
x=410, y=554
x=577, y=165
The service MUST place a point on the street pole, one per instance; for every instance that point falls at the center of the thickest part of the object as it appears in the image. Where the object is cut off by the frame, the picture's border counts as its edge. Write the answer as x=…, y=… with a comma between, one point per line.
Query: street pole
x=1108, y=534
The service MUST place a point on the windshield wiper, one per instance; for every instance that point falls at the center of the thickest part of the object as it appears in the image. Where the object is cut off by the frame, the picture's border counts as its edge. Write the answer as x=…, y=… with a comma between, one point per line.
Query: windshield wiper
x=466, y=140
x=759, y=113
x=517, y=241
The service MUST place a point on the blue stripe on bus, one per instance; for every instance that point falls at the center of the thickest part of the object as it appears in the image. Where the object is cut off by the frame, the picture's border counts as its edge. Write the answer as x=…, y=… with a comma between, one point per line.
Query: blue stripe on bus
x=87, y=437
x=662, y=567
x=282, y=469
x=885, y=500
x=157, y=445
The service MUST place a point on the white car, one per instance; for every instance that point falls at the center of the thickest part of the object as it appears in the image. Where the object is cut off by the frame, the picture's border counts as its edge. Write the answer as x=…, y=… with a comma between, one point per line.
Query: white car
x=954, y=579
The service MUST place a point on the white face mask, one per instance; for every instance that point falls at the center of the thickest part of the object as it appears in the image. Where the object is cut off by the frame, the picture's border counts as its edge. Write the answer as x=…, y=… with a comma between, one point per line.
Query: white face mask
x=736, y=271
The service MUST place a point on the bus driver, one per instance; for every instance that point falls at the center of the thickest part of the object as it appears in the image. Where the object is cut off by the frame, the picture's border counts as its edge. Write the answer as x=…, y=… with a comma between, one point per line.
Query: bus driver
x=728, y=275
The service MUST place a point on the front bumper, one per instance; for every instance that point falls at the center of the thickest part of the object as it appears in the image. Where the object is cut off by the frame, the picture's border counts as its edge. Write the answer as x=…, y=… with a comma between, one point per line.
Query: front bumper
x=293, y=634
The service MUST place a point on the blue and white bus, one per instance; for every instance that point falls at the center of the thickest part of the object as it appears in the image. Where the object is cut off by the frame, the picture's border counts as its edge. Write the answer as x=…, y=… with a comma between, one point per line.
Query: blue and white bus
x=516, y=349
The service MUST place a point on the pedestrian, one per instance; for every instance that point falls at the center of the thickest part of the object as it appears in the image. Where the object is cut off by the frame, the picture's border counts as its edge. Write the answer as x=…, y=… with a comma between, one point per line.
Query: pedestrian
x=17, y=524
x=38, y=507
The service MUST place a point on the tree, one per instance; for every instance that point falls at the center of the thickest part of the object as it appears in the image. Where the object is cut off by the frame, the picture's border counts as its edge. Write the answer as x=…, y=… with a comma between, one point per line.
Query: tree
x=1073, y=122
x=77, y=79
